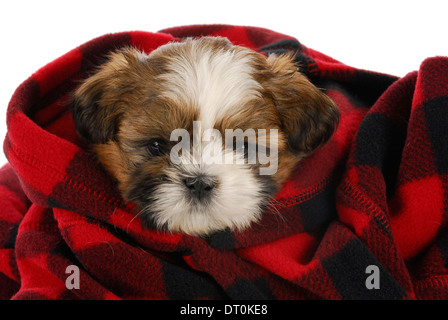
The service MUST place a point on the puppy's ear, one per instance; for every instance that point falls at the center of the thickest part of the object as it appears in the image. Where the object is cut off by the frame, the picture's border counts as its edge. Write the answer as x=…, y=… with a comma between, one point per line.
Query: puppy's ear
x=96, y=107
x=308, y=116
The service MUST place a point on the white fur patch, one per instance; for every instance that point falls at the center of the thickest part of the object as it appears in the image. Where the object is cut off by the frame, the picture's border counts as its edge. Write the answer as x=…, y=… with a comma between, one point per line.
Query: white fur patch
x=212, y=82
x=235, y=202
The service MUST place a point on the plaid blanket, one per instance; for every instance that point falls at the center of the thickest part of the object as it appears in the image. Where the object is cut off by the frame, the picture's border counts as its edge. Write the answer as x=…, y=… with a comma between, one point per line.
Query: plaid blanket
x=365, y=217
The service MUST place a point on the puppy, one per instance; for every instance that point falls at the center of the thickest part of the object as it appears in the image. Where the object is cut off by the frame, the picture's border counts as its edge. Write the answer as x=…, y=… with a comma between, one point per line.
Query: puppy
x=135, y=108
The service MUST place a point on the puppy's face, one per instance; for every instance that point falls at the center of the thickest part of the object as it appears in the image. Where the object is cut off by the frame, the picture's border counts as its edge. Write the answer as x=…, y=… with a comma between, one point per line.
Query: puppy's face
x=167, y=126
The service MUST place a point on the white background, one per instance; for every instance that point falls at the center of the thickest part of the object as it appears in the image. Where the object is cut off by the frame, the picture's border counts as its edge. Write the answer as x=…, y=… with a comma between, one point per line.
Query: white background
x=392, y=36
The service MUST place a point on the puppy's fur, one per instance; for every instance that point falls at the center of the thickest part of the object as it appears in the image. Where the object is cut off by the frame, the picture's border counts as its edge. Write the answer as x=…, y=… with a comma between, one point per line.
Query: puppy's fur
x=127, y=110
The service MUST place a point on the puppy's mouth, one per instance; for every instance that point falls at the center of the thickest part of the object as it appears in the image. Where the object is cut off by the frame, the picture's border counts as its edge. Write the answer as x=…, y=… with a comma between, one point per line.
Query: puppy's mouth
x=201, y=204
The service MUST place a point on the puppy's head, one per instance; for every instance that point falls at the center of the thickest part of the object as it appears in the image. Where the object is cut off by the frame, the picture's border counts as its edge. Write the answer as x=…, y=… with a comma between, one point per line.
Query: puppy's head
x=201, y=133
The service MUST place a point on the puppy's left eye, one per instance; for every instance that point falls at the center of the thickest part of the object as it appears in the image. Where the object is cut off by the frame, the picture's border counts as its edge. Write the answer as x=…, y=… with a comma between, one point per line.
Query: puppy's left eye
x=156, y=147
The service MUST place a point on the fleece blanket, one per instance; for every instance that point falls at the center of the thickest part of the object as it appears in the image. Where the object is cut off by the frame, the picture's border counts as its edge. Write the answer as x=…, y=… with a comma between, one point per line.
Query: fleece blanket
x=365, y=217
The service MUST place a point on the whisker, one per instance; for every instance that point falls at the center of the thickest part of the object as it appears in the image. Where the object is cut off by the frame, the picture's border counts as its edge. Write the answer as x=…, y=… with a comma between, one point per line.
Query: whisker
x=272, y=208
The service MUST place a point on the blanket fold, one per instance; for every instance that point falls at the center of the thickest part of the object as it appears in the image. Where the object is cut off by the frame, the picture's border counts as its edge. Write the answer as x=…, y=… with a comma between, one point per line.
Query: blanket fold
x=364, y=217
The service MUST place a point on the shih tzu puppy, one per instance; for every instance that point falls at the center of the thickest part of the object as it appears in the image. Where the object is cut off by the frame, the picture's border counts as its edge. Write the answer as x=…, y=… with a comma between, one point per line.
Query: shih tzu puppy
x=200, y=134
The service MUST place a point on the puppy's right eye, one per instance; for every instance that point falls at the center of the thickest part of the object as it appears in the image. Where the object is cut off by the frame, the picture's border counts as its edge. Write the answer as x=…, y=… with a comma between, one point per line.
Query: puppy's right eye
x=156, y=147
x=241, y=147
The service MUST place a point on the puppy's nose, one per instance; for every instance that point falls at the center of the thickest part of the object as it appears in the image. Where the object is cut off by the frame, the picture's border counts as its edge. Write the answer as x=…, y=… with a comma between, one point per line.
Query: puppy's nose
x=200, y=187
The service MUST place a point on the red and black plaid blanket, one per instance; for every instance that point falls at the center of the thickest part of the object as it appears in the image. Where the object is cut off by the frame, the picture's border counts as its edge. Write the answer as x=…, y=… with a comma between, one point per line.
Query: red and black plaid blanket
x=364, y=217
